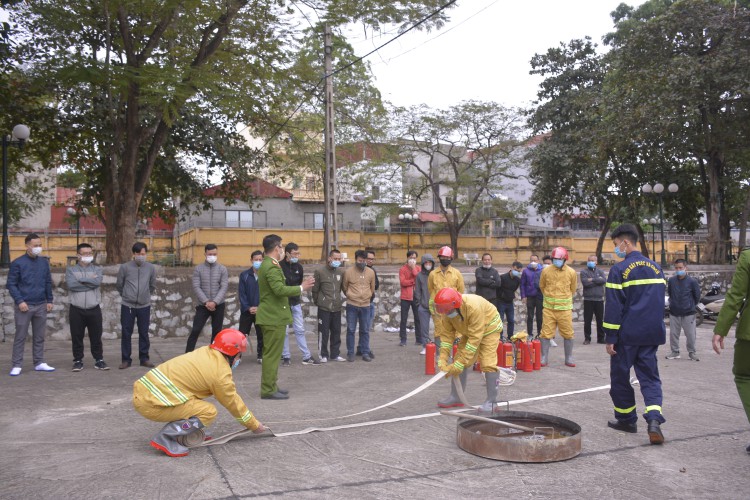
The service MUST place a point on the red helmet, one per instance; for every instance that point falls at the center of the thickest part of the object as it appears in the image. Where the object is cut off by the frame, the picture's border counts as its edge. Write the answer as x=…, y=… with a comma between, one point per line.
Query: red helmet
x=559, y=253
x=446, y=300
x=445, y=251
x=230, y=342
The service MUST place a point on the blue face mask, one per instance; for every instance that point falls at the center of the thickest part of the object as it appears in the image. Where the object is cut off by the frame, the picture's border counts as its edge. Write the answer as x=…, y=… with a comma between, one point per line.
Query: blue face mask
x=335, y=263
x=591, y=265
x=681, y=273
x=620, y=253
x=236, y=363
x=293, y=260
x=453, y=313
x=558, y=262
x=256, y=264
x=515, y=273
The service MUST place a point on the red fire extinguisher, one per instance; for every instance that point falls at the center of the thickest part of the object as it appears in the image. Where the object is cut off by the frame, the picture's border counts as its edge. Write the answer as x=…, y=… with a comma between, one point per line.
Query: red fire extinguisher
x=477, y=368
x=527, y=364
x=429, y=358
x=537, y=353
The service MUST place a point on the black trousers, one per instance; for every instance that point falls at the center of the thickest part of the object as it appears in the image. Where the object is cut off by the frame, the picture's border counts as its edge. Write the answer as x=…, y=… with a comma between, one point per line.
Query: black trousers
x=534, y=308
x=405, y=306
x=329, y=328
x=80, y=320
x=593, y=308
x=201, y=316
x=247, y=320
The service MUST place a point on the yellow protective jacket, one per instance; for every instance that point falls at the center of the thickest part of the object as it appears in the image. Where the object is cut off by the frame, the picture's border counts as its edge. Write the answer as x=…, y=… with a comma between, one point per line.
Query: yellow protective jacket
x=558, y=285
x=477, y=320
x=198, y=374
x=450, y=278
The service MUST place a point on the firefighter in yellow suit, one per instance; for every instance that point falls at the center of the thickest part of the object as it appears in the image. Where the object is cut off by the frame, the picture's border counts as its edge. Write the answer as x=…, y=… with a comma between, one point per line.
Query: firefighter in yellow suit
x=558, y=284
x=446, y=276
x=476, y=322
x=175, y=390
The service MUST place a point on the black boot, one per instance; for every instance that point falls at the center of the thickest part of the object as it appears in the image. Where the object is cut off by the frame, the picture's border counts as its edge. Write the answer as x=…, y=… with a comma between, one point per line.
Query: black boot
x=654, y=432
x=623, y=426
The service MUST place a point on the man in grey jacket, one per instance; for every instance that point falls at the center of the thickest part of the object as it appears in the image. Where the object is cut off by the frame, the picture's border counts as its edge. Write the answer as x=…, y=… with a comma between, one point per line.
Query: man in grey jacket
x=210, y=283
x=84, y=281
x=326, y=294
x=593, y=280
x=422, y=299
x=136, y=281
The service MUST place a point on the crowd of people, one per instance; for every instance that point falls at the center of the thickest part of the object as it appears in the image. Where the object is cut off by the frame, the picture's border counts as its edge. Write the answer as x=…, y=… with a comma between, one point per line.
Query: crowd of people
x=627, y=304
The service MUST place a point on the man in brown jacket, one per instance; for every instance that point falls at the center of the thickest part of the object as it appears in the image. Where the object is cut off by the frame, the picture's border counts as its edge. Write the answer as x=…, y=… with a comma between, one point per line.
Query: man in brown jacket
x=358, y=285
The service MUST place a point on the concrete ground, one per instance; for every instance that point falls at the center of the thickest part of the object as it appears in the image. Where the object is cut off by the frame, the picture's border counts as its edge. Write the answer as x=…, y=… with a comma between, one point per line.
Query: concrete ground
x=76, y=435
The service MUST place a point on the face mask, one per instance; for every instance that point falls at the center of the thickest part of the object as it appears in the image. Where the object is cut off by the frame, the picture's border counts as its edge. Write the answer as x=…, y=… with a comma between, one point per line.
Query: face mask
x=140, y=259
x=236, y=363
x=256, y=264
x=515, y=273
x=681, y=273
x=87, y=259
x=452, y=314
x=445, y=262
x=487, y=266
x=36, y=251
x=427, y=267
x=361, y=265
x=620, y=253
x=335, y=263
x=411, y=262
x=211, y=259
x=558, y=262
x=591, y=265
x=533, y=265
x=293, y=260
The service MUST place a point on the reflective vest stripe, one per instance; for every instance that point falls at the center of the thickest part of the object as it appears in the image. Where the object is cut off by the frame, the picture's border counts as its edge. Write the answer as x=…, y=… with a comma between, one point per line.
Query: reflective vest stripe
x=459, y=365
x=616, y=286
x=169, y=385
x=558, y=304
x=650, y=281
x=498, y=327
x=445, y=345
x=470, y=348
x=652, y=408
x=625, y=410
x=155, y=391
x=611, y=326
x=245, y=418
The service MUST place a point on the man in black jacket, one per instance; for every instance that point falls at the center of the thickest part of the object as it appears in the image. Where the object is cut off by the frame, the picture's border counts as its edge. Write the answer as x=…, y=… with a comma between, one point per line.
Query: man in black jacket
x=293, y=273
x=488, y=280
x=506, y=296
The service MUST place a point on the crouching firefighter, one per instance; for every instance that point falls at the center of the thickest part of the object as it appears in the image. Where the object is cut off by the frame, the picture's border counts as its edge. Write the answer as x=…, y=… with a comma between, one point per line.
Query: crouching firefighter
x=476, y=324
x=174, y=392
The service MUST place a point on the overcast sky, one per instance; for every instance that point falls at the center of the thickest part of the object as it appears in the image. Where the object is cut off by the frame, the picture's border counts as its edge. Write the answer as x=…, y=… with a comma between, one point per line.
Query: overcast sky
x=483, y=52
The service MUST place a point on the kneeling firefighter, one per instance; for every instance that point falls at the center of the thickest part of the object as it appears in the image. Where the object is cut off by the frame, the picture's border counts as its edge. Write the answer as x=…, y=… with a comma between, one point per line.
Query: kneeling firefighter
x=174, y=392
x=476, y=324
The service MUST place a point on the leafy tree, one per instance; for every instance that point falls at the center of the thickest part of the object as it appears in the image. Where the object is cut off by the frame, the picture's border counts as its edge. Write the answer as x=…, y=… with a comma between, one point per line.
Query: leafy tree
x=128, y=79
x=459, y=154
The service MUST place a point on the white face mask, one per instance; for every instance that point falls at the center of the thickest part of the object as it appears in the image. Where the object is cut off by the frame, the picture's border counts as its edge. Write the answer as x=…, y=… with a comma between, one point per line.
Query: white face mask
x=211, y=259
x=87, y=259
x=36, y=250
x=411, y=262
x=487, y=266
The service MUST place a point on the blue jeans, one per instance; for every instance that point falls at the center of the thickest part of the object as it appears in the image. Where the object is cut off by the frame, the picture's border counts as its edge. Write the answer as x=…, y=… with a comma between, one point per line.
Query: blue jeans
x=356, y=314
x=298, y=324
x=128, y=318
x=507, y=314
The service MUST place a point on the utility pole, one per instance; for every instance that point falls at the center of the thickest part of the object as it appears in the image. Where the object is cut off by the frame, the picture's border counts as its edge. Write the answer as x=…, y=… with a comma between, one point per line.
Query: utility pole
x=330, y=224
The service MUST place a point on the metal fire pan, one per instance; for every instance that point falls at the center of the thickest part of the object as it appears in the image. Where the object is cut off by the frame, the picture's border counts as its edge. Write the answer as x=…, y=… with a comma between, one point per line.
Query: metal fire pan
x=501, y=443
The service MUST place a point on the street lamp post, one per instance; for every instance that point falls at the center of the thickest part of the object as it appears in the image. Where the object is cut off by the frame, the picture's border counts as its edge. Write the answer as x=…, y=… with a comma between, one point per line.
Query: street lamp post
x=653, y=222
x=658, y=190
x=407, y=217
x=20, y=134
x=77, y=213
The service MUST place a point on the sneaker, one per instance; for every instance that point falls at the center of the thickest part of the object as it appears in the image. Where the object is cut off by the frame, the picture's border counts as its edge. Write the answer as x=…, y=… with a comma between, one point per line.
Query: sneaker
x=673, y=355
x=552, y=342
x=101, y=365
x=77, y=366
x=694, y=356
x=339, y=358
x=310, y=361
x=402, y=344
x=260, y=361
x=350, y=358
x=323, y=359
x=423, y=351
x=286, y=362
x=15, y=371
x=366, y=357
x=43, y=367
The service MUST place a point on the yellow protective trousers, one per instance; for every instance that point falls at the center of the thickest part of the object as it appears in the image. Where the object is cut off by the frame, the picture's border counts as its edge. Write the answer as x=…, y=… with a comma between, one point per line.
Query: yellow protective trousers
x=486, y=354
x=557, y=319
x=193, y=407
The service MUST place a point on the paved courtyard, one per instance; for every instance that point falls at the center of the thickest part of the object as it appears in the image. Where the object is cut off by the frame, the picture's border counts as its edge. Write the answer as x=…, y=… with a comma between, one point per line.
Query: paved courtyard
x=76, y=435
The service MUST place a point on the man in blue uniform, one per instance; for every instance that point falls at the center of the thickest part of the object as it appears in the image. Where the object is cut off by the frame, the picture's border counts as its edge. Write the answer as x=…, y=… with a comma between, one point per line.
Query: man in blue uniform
x=634, y=328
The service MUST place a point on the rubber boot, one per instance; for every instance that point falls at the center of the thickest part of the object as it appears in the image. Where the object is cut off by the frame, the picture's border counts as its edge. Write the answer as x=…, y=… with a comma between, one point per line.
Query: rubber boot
x=452, y=401
x=170, y=438
x=493, y=380
x=568, y=344
x=545, y=351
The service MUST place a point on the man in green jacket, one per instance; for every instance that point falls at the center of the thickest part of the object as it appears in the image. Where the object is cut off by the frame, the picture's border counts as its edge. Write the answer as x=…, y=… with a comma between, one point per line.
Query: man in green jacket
x=274, y=313
x=736, y=302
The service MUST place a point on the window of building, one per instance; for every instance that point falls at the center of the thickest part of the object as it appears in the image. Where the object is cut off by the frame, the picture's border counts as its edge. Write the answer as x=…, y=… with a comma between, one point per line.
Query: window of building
x=376, y=192
x=238, y=218
x=310, y=183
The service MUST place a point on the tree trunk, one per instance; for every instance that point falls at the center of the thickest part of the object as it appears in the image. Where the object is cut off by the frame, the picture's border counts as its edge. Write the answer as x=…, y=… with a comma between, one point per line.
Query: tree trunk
x=716, y=240
x=602, y=236
x=743, y=222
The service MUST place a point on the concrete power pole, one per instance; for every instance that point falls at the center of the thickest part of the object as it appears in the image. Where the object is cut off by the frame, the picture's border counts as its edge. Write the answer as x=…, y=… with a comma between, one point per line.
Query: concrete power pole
x=330, y=224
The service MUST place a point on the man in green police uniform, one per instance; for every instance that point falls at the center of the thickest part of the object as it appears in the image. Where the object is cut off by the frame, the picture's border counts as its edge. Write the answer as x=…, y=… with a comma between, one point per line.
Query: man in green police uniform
x=274, y=314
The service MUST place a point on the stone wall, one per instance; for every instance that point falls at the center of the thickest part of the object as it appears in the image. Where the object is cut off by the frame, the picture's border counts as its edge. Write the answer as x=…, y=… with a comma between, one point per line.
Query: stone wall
x=173, y=302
